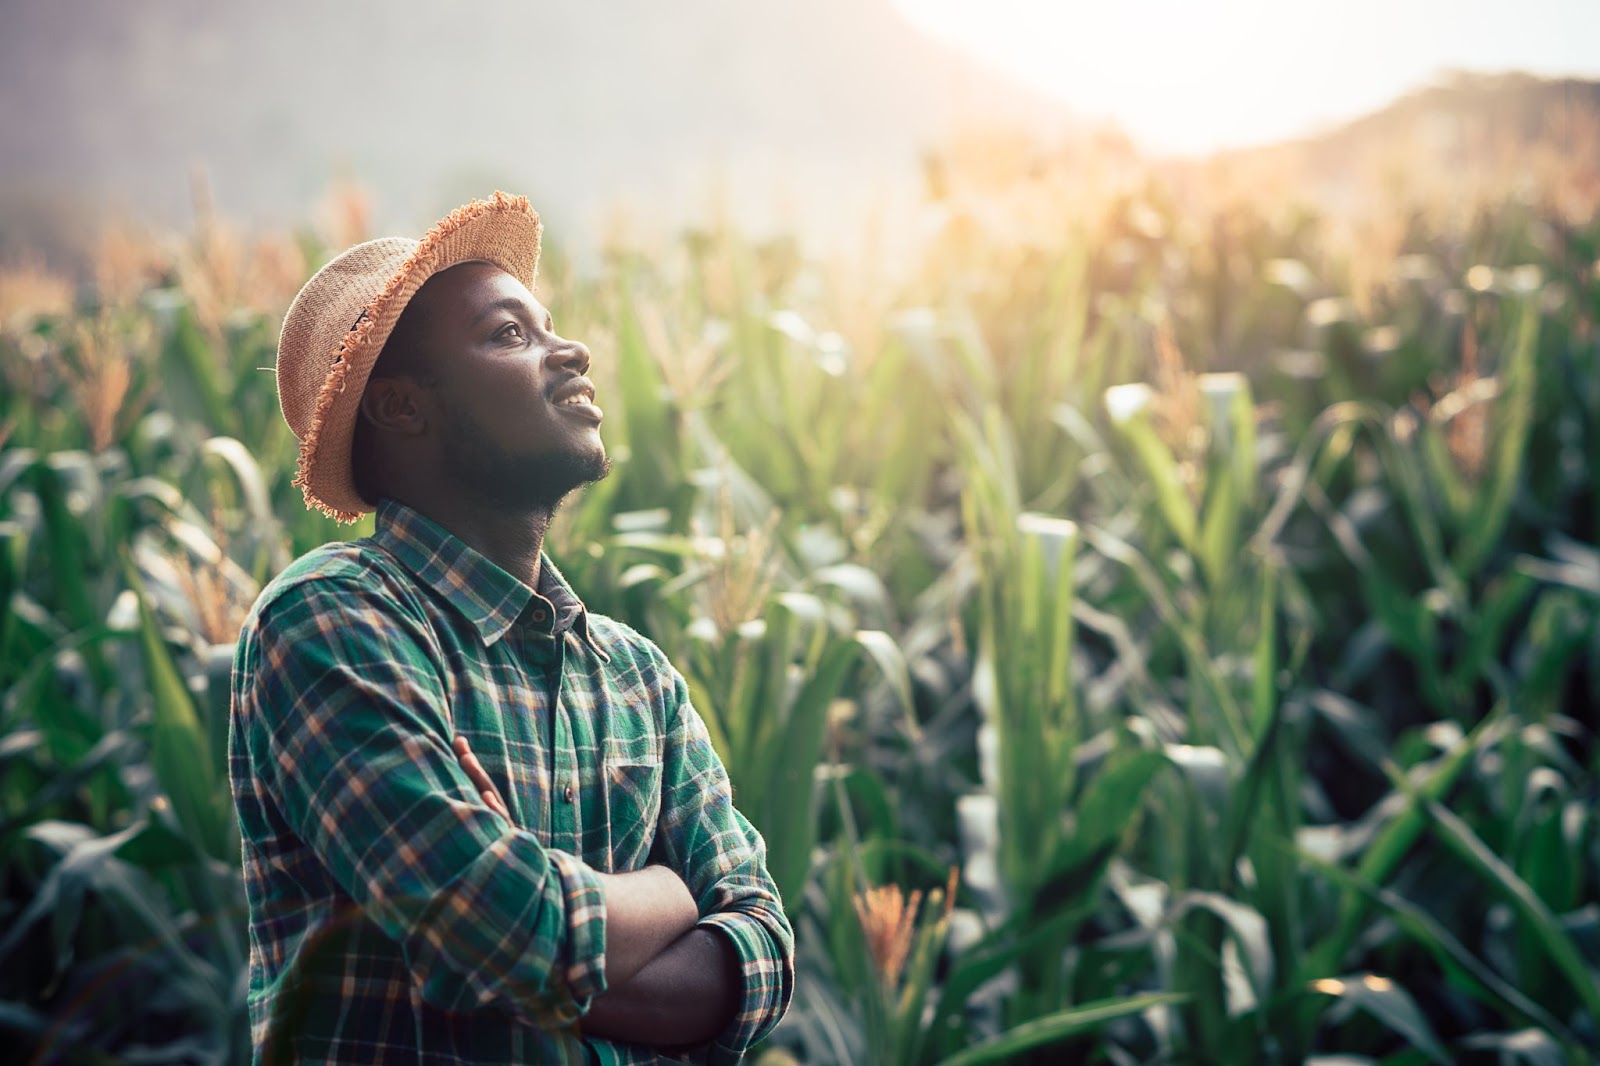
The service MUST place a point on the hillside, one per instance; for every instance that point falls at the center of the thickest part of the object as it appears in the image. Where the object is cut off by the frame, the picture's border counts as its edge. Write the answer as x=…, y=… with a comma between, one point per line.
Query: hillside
x=804, y=117
x=112, y=105
x=1466, y=137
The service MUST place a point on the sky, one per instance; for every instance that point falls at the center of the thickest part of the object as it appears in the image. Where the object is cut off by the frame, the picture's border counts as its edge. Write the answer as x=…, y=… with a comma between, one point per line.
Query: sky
x=1193, y=76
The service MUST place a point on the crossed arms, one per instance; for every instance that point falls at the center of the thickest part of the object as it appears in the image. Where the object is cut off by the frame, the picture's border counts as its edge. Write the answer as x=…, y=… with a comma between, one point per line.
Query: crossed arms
x=671, y=984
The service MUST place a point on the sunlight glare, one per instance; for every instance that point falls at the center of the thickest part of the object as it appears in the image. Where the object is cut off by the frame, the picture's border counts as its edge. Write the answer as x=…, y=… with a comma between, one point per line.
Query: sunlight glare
x=1193, y=77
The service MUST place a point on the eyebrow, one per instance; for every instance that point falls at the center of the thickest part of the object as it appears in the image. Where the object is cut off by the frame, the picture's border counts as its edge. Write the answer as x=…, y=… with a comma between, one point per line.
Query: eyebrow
x=507, y=303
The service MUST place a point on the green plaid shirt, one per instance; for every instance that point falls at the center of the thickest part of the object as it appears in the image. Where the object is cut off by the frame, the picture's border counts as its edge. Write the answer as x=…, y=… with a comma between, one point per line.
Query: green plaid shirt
x=393, y=917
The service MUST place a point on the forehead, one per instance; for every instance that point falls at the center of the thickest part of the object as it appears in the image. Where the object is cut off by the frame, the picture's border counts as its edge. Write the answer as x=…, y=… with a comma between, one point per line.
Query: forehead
x=460, y=295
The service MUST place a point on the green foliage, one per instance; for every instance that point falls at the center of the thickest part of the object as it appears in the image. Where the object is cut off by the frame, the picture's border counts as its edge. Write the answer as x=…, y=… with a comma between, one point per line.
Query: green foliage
x=1253, y=708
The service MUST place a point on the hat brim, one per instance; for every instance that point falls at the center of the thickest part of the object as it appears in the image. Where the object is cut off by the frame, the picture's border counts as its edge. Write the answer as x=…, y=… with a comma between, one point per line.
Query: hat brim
x=503, y=230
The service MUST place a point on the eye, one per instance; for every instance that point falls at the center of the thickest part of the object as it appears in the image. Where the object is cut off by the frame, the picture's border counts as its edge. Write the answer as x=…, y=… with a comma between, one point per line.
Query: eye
x=509, y=331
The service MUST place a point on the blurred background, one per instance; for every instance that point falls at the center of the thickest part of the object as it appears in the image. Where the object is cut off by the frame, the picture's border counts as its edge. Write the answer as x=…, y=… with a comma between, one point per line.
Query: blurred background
x=808, y=119
x=1120, y=481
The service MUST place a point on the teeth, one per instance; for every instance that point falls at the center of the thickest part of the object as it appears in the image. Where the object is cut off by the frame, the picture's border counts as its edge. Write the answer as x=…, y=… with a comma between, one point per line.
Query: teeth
x=581, y=397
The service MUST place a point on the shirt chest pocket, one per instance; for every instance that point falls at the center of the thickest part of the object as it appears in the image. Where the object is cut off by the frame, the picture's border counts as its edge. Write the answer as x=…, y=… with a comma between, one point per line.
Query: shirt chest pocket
x=630, y=780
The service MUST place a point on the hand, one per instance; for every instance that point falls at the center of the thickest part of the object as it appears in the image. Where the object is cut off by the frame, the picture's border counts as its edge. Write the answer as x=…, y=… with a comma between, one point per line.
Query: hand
x=480, y=778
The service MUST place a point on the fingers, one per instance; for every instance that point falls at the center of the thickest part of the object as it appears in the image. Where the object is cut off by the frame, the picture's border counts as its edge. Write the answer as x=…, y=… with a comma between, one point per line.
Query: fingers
x=493, y=801
x=480, y=777
x=474, y=768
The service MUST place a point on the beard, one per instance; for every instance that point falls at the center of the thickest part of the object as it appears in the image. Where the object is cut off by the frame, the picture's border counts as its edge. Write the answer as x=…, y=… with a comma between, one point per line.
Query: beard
x=511, y=481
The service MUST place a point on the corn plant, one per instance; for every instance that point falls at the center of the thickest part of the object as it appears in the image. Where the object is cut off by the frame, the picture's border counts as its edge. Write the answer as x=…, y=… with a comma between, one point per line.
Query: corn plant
x=1220, y=602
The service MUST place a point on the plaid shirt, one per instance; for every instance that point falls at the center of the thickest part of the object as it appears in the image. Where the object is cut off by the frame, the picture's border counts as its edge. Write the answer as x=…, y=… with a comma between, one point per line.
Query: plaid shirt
x=393, y=916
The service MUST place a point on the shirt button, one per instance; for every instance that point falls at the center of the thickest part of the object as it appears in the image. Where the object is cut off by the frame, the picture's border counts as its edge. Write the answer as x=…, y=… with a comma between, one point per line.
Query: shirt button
x=538, y=614
x=568, y=793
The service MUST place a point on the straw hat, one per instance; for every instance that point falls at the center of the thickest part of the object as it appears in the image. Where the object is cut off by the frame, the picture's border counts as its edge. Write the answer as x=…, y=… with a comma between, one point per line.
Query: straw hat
x=339, y=322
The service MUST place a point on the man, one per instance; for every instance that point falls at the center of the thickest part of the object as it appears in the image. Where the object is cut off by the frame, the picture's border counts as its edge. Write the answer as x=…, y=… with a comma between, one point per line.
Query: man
x=480, y=824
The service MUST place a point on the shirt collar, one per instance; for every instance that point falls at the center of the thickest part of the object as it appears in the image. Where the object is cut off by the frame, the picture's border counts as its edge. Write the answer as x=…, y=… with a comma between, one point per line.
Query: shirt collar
x=480, y=591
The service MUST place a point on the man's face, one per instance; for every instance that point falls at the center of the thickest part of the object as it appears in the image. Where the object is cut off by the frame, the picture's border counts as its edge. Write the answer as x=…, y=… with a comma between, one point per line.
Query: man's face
x=515, y=418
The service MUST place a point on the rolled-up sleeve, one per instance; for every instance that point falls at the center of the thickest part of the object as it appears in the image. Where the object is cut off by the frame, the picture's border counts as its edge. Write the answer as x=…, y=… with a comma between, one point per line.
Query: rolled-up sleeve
x=349, y=732
x=724, y=862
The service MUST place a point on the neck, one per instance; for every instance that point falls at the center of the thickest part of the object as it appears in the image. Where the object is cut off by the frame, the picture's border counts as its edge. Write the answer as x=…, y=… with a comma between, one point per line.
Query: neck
x=511, y=539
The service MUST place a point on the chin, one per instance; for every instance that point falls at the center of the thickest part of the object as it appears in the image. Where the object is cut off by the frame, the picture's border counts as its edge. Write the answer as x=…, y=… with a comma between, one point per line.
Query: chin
x=548, y=479
x=591, y=464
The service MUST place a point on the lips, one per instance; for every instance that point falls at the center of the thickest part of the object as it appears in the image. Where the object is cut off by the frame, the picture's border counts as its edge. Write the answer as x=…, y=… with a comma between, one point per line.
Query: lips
x=577, y=395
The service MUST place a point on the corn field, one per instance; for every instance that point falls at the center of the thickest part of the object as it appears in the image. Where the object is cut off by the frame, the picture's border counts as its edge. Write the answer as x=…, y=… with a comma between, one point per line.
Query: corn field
x=1142, y=636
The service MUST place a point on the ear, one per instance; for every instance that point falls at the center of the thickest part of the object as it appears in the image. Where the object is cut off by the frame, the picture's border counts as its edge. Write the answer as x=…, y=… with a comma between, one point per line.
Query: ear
x=395, y=404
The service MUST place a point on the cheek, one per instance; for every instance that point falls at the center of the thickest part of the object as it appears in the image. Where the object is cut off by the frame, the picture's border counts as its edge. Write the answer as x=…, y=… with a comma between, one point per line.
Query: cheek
x=506, y=397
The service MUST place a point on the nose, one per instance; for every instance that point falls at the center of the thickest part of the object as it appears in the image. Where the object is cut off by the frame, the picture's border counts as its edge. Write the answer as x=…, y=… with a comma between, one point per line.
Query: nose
x=568, y=355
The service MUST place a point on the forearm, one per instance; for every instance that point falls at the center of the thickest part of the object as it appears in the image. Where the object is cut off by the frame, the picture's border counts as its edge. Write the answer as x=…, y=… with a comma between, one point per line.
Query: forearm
x=685, y=995
x=646, y=911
